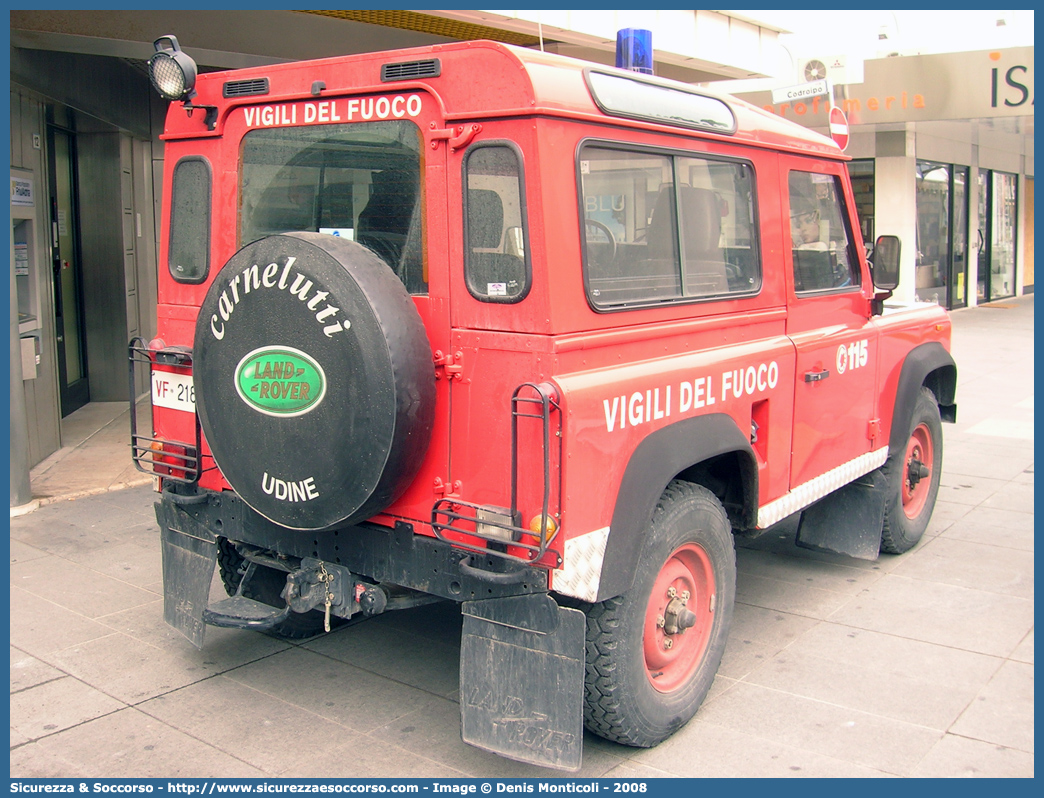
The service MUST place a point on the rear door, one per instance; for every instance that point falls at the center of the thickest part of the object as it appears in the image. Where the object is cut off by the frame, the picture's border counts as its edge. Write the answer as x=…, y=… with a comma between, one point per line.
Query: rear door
x=496, y=308
x=371, y=168
x=829, y=322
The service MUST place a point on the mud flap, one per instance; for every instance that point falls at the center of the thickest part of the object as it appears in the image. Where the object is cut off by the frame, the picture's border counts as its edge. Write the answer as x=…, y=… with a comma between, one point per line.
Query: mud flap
x=188, y=567
x=848, y=521
x=522, y=679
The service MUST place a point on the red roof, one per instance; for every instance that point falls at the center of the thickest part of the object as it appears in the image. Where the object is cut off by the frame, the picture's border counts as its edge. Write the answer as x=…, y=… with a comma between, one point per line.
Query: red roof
x=481, y=79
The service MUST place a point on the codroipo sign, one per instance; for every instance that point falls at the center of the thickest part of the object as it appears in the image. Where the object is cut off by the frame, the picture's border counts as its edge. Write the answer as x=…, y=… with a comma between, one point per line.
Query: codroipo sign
x=280, y=381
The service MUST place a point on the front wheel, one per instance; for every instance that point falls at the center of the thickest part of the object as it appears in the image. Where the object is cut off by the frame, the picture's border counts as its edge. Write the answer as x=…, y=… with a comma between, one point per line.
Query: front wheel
x=653, y=652
x=912, y=478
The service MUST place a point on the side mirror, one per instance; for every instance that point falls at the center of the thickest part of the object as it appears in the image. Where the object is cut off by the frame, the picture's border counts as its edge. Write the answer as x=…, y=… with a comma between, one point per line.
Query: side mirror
x=884, y=266
x=884, y=269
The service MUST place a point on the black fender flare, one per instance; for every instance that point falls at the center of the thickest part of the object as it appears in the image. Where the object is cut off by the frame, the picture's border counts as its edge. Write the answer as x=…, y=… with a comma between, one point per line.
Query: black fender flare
x=658, y=459
x=928, y=364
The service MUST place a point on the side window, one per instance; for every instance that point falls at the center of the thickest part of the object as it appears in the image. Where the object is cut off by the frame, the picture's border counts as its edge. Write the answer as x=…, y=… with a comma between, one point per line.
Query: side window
x=630, y=227
x=496, y=259
x=188, y=255
x=819, y=237
x=717, y=229
x=661, y=227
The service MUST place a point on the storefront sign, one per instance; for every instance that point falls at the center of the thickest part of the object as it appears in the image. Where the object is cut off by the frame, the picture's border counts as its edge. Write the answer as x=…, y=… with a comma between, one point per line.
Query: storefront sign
x=1012, y=91
x=21, y=191
x=976, y=85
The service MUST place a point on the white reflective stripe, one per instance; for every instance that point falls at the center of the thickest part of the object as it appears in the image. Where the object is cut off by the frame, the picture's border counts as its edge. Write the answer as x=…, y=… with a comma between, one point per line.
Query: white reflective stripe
x=814, y=490
x=581, y=570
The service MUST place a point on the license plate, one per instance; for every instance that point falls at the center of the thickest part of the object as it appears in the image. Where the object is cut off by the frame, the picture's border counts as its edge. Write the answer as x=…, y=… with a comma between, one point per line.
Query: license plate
x=174, y=391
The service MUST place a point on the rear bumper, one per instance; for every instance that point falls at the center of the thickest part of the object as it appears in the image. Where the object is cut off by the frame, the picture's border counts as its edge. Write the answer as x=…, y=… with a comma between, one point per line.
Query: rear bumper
x=394, y=555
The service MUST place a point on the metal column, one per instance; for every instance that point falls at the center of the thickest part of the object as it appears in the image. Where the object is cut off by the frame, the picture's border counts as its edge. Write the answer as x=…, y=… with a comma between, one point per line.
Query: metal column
x=21, y=494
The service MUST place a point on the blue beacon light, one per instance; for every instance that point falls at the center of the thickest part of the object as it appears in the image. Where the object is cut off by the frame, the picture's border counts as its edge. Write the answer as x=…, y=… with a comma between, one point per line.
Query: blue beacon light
x=634, y=50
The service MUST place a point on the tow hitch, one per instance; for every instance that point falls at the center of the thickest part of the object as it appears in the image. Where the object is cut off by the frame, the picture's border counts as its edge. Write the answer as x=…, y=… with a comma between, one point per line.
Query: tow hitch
x=189, y=552
x=310, y=587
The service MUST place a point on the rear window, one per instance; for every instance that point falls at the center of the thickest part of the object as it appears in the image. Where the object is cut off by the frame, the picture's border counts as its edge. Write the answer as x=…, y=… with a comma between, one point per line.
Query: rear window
x=665, y=227
x=188, y=255
x=359, y=181
x=496, y=264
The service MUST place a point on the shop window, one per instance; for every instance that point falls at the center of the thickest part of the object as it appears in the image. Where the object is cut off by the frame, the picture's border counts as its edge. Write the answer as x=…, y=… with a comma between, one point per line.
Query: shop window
x=659, y=227
x=188, y=255
x=820, y=243
x=496, y=262
x=862, y=174
x=933, y=232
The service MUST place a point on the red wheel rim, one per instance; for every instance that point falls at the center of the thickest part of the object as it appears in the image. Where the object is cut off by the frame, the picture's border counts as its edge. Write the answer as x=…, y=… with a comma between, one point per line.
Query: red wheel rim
x=916, y=483
x=669, y=665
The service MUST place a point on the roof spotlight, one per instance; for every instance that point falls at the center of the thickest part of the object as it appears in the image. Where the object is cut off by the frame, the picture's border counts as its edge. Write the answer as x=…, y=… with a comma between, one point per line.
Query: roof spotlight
x=172, y=71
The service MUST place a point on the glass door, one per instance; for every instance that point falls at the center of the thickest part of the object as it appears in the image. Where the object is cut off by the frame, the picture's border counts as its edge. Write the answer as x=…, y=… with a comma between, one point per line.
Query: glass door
x=65, y=261
x=933, y=232
x=959, y=248
x=942, y=234
x=998, y=215
x=1004, y=222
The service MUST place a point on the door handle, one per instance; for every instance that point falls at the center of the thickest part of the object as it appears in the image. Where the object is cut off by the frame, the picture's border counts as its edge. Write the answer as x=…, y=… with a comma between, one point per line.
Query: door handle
x=816, y=376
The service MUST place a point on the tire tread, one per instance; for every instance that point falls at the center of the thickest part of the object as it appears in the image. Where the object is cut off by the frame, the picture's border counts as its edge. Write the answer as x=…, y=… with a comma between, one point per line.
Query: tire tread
x=897, y=536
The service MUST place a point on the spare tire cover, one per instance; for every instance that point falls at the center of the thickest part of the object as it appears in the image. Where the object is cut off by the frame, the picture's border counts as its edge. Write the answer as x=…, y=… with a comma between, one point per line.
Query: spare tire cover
x=314, y=380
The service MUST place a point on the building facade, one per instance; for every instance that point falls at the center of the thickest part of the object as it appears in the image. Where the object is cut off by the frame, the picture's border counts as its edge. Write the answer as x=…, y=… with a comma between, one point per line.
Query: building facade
x=942, y=149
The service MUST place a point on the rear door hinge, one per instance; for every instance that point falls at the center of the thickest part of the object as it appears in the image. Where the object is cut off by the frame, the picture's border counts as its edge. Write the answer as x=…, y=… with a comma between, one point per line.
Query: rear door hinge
x=448, y=364
x=457, y=137
x=446, y=490
x=873, y=430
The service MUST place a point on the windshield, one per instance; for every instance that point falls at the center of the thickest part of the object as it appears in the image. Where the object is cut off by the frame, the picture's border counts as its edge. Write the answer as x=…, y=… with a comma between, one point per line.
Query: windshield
x=359, y=181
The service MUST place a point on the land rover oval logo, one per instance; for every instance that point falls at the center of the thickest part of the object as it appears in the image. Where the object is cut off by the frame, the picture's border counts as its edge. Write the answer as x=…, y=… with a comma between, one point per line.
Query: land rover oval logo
x=280, y=381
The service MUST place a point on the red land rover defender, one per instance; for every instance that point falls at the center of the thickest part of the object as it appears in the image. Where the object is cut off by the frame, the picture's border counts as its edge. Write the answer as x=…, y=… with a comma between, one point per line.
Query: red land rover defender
x=480, y=324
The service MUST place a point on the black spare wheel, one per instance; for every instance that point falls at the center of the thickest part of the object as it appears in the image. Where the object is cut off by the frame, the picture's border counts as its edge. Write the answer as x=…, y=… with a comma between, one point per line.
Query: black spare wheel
x=314, y=380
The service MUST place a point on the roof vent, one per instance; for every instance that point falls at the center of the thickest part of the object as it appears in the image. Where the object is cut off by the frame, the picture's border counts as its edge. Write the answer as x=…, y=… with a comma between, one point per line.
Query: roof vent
x=245, y=88
x=411, y=70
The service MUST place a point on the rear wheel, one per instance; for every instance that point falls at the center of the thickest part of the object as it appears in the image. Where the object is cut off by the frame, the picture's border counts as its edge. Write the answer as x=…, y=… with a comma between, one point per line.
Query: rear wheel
x=912, y=475
x=653, y=652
